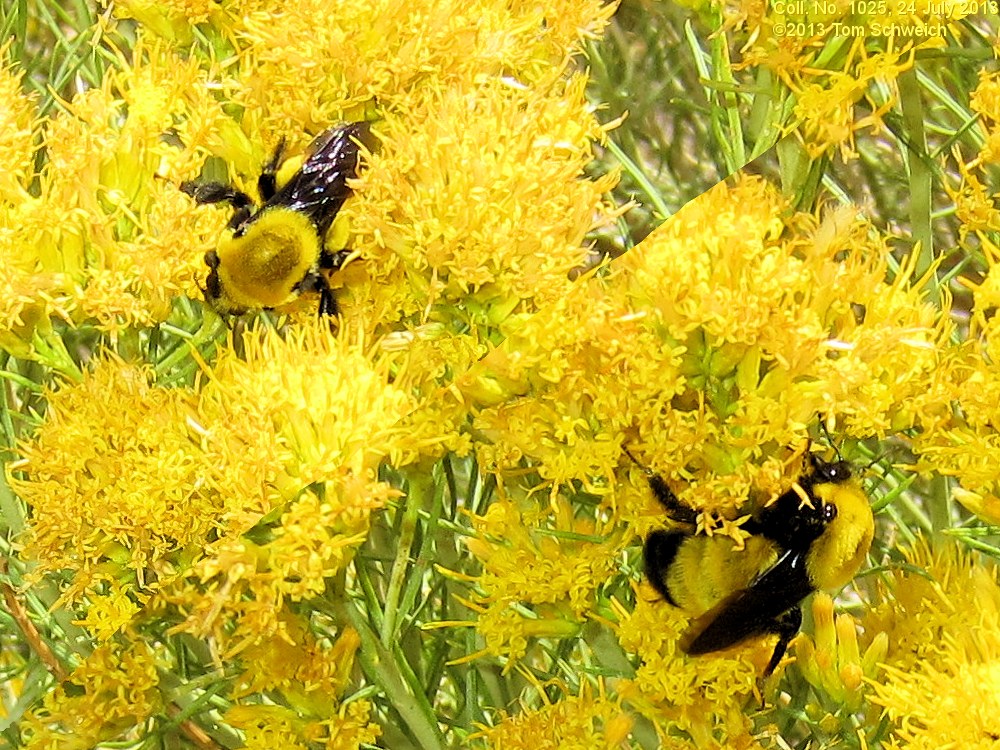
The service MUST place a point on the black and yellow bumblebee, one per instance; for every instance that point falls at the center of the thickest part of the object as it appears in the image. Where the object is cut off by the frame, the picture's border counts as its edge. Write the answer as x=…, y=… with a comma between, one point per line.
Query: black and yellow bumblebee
x=272, y=252
x=814, y=536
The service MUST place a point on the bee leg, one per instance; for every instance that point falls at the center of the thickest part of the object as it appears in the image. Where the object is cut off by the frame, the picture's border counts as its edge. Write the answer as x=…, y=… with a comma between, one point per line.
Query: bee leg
x=327, y=303
x=675, y=508
x=658, y=554
x=267, y=183
x=213, y=287
x=332, y=261
x=240, y=217
x=316, y=282
x=785, y=626
x=216, y=192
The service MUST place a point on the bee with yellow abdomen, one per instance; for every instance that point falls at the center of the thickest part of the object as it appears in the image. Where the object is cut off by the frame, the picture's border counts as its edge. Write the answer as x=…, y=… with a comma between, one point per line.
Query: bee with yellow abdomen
x=272, y=252
x=814, y=536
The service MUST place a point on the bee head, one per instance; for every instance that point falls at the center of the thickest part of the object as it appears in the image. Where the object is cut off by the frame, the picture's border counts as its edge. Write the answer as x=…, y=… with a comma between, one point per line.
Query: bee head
x=803, y=513
x=833, y=472
x=841, y=549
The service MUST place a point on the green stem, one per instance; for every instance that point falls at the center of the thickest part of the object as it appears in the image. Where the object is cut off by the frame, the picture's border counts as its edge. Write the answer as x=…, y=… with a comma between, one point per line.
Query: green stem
x=661, y=209
x=381, y=668
x=415, y=582
x=728, y=125
x=211, y=326
x=919, y=171
x=50, y=350
x=415, y=495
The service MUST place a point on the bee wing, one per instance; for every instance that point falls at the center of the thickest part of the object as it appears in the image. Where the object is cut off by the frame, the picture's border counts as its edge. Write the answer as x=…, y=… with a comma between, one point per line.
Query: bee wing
x=751, y=611
x=320, y=188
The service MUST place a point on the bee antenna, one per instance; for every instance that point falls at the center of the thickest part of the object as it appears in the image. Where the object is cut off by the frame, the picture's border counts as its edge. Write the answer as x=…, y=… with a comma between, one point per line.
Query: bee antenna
x=636, y=461
x=829, y=439
x=871, y=463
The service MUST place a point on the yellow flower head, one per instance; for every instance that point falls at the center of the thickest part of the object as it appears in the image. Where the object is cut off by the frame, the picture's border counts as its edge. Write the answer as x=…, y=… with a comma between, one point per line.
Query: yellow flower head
x=322, y=400
x=310, y=673
x=831, y=660
x=959, y=436
x=947, y=597
x=174, y=21
x=955, y=705
x=702, y=698
x=975, y=204
x=575, y=722
x=18, y=129
x=985, y=101
x=115, y=689
x=826, y=109
x=29, y=290
x=541, y=570
x=112, y=240
x=109, y=477
x=942, y=682
x=305, y=65
x=265, y=726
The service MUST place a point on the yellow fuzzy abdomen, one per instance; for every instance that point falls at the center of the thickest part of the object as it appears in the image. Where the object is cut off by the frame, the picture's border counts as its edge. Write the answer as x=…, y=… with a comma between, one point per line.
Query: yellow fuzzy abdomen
x=708, y=569
x=262, y=267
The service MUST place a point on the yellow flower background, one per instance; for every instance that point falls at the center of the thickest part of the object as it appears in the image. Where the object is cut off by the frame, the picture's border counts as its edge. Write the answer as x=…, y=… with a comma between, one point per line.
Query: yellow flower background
x=417, y=525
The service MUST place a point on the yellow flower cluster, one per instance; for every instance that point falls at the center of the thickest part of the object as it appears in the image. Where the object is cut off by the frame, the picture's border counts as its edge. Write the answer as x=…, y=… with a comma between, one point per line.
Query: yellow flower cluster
x=127, y=479
x=832, y=663
x=539, y=561
x=150, y=495
x=306, y=65
x=105, y=239
x=265, y=727
x=961, y=441
x=985, y=101
x=942, y=677
x=827, y=112
x=116, y=689
x=218, y=507
x=703, y=699
x=229, y=507
x=840, y=62
x=435, y=255
x=449, y=234
x=108, y=484
x=575, y=722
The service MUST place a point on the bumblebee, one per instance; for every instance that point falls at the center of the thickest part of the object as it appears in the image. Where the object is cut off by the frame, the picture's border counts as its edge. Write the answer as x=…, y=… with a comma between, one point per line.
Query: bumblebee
x=799, y=544
x=272, y=252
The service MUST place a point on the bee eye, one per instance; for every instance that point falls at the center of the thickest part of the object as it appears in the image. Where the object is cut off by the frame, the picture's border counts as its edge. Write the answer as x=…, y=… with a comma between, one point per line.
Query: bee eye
x=841, y=471
x=829, y=512
x=834, y=473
